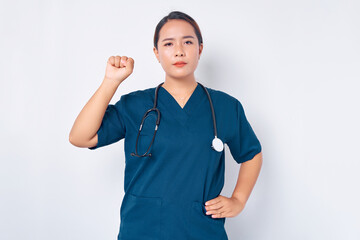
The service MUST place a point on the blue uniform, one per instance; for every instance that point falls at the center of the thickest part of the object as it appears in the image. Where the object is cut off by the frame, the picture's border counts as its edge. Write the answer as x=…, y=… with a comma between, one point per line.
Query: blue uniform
x=166, y=192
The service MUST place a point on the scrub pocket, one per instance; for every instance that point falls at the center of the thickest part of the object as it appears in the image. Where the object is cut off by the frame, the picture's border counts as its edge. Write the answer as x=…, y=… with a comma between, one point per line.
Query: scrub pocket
x=141, y=218
x=204, y=226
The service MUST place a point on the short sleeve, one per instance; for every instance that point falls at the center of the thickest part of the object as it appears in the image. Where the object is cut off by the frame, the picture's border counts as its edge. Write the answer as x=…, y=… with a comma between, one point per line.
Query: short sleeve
x=112, y=128
x=244, y=144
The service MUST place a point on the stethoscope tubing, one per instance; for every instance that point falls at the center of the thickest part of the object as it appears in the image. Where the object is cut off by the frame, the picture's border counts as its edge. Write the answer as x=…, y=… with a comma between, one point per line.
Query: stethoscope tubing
x=158, y=121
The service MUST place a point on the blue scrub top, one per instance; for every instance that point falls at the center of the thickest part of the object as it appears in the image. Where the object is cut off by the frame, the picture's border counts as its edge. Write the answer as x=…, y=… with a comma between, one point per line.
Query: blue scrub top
x=165, y=193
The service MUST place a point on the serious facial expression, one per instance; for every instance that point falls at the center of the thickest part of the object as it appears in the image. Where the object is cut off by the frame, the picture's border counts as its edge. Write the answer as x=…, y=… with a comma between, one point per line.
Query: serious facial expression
x=178, y=42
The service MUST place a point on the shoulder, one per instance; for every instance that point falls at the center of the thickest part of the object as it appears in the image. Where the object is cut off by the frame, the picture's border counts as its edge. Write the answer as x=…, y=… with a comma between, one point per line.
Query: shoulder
x=222, y=97
x=139, y=93
x=138, y=96
x=225, y=103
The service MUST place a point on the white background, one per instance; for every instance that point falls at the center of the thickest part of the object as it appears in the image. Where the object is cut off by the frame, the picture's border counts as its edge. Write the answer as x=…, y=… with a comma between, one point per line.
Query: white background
x=294, y=65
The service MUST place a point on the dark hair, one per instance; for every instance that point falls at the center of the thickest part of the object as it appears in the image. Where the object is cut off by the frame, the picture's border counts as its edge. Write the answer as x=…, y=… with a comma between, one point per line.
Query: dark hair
x=177, y=15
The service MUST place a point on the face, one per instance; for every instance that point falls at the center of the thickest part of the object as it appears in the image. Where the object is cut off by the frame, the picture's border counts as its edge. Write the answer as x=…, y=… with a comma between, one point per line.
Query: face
x=178, y=42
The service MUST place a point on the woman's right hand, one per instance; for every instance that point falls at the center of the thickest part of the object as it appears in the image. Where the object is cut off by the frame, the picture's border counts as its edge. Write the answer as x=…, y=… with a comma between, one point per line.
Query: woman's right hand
x=119, y=68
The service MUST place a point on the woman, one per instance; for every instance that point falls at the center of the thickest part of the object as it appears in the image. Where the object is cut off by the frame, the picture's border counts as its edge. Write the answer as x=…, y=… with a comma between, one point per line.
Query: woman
x=174, y=172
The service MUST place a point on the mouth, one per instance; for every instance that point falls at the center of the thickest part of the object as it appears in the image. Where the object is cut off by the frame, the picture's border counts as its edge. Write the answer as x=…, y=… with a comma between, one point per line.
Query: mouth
x=180, y=64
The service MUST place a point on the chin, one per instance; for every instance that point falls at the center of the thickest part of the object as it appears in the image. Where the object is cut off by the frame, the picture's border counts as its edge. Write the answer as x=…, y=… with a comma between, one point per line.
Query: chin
x=180, y=74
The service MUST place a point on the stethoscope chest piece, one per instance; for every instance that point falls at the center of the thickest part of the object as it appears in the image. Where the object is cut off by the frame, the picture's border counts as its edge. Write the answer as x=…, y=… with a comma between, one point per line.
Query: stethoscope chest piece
x=217, y=144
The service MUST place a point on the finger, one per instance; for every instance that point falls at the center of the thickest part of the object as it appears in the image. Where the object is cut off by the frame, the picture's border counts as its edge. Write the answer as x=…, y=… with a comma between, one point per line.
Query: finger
x=213, y=201
x=130, y=61
x=215, y=206
x=122, y=61
x=117, y=61
x=220, y=214
x=215, y=211
x=111, y=60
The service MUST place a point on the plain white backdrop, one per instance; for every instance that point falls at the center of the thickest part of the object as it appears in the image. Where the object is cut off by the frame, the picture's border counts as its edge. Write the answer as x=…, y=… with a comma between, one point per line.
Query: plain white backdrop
x=294, y=65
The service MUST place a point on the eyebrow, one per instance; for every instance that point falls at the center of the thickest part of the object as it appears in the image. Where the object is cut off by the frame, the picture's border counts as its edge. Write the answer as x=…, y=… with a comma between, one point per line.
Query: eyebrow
x=173, y=38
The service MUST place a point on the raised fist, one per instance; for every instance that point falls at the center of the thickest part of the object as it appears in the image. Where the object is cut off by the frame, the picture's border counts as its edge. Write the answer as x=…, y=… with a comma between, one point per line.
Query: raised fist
x=119, y=68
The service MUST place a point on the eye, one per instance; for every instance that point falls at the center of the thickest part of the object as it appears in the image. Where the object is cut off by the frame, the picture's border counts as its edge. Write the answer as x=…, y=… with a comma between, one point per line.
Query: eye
x=167, y=44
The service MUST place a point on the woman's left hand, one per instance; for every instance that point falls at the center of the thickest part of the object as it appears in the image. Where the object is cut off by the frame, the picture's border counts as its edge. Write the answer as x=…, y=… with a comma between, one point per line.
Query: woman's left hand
x=222, y=206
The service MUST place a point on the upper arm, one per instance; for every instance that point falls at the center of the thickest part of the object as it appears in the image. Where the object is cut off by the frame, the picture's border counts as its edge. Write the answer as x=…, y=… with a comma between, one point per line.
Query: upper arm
x=243, y=144
x=112, y=128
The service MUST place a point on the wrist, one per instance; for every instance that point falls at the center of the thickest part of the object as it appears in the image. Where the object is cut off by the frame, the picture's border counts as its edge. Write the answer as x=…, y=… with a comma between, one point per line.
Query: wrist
x=239, y=198
x=111, y=83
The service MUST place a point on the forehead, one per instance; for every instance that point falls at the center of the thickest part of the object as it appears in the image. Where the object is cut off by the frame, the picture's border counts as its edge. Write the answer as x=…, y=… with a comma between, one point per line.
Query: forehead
x=176, y=28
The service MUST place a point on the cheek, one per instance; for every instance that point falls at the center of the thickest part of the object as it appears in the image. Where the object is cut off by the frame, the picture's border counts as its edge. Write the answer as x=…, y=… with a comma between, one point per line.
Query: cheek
x=165, y=57
x=165, y=62
x=194, y=59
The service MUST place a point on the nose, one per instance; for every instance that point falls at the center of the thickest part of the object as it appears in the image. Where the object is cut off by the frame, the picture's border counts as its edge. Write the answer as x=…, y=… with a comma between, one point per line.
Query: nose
x=179, y=51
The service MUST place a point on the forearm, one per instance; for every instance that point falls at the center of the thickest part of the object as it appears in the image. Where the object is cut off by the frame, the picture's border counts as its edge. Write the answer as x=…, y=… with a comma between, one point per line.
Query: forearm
x=248, y=174
x=89, y=119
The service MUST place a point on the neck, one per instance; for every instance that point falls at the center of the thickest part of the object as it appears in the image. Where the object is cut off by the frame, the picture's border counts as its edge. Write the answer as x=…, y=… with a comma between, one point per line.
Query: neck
x=180, y=86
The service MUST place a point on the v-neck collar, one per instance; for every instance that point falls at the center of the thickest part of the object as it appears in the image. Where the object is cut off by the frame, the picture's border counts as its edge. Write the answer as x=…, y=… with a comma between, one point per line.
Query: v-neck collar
x=179, y=113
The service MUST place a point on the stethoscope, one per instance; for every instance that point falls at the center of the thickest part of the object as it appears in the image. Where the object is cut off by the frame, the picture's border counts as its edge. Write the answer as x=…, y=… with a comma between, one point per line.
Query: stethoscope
x=217, y=144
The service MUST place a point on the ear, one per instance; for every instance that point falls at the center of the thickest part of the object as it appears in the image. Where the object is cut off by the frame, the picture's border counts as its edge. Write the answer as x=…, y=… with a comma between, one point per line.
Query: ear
x=200, y=49
x=156, y=53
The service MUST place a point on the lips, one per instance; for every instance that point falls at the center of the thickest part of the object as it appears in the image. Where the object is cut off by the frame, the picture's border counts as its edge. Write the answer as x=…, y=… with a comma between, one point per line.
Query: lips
x=180, y=64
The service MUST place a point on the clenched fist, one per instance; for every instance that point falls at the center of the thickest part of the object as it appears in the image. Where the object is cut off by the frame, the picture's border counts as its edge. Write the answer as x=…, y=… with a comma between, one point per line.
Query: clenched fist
x=119, y=68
